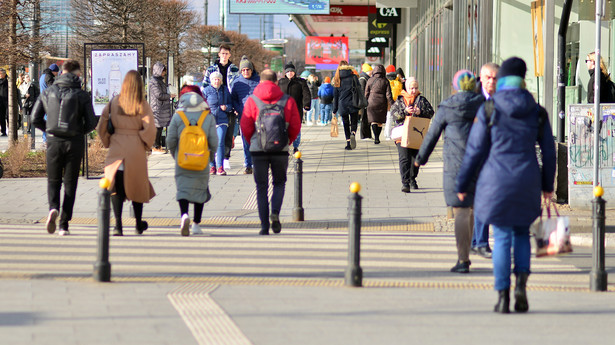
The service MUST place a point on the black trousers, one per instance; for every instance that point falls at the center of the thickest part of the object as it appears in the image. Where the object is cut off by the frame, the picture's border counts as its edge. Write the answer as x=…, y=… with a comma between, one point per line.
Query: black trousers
x=406, y=164
x=198, y=209
x=63, y=164
x=4, y=114
x=279, y=166
x=118, y=198
x=366, y=131
x=350, y=123
x=228, y=138
x=158, y=142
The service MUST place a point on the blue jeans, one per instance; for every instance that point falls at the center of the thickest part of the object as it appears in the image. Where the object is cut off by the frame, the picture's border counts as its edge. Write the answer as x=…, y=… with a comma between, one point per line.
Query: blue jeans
x=247, y=162
x=297, y=141
x=481, y=234
x=325, y=113
x=221, y=131
x=312, y=114
x=279, y=165
x=517, y=237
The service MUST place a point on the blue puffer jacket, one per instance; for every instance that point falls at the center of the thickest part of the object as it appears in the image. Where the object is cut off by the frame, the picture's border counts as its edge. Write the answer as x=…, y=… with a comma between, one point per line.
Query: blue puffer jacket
x=509, y=186
x=216, y=98
x=242, y=89
x=455, y=116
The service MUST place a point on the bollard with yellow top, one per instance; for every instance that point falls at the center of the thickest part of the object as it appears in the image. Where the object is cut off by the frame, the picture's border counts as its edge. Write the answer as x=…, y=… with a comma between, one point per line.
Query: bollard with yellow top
x=354, y=273
x=298, y=212
x=598, y=275
x=102, y=267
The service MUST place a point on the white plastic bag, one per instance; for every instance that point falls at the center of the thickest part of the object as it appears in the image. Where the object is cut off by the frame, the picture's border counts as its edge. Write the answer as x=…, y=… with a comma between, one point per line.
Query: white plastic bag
x=552, y=235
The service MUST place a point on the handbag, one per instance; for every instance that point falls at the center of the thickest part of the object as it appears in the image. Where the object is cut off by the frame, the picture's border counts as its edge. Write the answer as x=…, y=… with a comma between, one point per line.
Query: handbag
x=552, y=235
x=358, y=97
x=334, y=129
x=397, y=132
x=110, y=128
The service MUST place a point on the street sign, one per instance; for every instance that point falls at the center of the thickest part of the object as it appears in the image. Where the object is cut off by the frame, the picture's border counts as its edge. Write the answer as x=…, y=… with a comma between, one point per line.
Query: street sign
x=389, y=15
x=372, y=50
x=377, y=29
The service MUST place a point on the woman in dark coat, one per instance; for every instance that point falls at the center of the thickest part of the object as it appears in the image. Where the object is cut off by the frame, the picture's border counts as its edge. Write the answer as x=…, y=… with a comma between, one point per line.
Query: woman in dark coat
x=455, y=117
x=342, y=102
x=409, y=103
x=510, y=180
x=605, y=79
x=379, y=97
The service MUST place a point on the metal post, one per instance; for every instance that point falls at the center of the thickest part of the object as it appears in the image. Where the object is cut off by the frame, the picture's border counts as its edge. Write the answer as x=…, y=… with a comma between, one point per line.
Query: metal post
x=298, y=215
x=354, y=273
x=598, y=275
x=102, y=267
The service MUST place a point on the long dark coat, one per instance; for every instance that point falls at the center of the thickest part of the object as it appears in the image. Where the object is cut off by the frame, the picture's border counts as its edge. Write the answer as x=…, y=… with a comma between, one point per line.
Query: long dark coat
x=378, y=95
x=342, y=99
x=298, y=89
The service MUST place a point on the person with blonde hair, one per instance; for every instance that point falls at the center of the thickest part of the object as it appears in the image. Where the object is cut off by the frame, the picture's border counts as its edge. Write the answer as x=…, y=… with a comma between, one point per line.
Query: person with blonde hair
x=133, y=135
x=606, y=92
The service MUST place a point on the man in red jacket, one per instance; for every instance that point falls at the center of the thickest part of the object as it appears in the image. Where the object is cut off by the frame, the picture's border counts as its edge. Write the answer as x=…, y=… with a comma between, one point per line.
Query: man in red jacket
x=268, y=92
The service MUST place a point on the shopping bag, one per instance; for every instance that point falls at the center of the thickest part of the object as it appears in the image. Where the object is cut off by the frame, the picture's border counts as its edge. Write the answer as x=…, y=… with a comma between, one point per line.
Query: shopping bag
x=552, y=235
x=334, y=130
x=415, y=129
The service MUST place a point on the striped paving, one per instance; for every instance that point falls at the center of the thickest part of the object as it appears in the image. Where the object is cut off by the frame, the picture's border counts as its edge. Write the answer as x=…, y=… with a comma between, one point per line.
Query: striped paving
x=240, y=256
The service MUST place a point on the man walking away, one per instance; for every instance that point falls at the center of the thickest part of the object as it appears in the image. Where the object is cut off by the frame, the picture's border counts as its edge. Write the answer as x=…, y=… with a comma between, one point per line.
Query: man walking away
x=480, y=238
x=267, y=106
x=70, y=116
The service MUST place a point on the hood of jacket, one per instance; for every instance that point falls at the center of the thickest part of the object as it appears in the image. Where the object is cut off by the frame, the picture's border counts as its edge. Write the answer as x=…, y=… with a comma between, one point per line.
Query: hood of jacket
x=68, y=80
x=157, y=69
x=192, y=101
x=379, y=71
x=517, y=103
x=461, y=102
x=268, y=92
x=346, y=71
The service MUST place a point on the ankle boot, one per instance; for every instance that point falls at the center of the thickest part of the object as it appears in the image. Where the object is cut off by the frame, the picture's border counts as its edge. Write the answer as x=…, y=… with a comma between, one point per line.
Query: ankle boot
x=376, y=129
x=503, y=305
x=521, y=304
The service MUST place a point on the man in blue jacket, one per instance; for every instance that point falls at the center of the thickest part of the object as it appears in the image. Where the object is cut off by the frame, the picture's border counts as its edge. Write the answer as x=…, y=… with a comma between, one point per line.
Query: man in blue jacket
x=242, y=88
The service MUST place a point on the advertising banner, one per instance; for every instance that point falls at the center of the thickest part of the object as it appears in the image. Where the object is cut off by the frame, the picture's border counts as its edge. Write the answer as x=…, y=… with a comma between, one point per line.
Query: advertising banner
x=279, y=6
x=325, y=50
x=377, y=29
x=108, y=70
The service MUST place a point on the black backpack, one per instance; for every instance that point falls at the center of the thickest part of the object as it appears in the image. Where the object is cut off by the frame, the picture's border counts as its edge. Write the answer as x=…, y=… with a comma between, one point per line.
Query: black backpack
x=271, y=125
x=63, y=118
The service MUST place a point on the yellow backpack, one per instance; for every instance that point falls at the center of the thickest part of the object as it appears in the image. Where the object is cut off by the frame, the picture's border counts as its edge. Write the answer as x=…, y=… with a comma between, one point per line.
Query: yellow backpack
x=193, y=151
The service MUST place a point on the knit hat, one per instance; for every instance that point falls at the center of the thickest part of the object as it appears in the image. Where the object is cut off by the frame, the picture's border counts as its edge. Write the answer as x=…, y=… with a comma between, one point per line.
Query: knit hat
x=366, y=67
x=513, y=66
x=245, y=63
x=390, y=69
x=215, y=75
x=190, y=88
x=464, y=80
x=54, y=68
x=327, y=80
x=289, y=67
x=411, y=81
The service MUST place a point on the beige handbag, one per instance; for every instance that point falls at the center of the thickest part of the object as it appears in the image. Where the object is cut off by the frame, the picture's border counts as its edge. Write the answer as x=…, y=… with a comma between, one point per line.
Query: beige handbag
x=334, y=130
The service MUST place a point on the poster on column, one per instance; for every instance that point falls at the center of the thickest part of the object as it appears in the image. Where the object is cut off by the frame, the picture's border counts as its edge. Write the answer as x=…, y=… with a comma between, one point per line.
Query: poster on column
x=108, y=70
x=325, y=50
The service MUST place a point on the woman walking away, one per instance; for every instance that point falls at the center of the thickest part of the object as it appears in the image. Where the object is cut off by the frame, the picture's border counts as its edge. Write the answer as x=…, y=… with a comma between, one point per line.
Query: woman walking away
x=455, y=117
x=192, y=185
x=343, y=81
x=605, y=79
x=126, y=163
x=379, y=97
x=510, y=180
x=409, y=103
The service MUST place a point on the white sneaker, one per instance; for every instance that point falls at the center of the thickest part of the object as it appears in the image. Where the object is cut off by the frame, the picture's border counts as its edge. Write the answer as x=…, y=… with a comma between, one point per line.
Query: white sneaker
x=309, y=123
x=227, y=165
x=185, y=224
x=196, y=229
x=51, y=221
x=63, y=232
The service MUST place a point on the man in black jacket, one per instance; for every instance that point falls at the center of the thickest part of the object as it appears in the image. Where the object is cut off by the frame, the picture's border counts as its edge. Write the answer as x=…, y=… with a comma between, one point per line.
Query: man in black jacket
x=298, y=89
x=4, y=101
x=70, y=116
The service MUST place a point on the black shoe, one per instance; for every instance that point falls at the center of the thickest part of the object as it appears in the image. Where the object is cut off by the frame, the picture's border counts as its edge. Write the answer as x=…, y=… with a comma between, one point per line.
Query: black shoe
x=503, y=305
x=482, y=251
x=264, y=232
x=141, y=227
x=348, y=147
x=521, y=304
x=248, y=171
x=414, y=185
x=295, y=149
x=275, y=223
x=117, y=231
x=377, y=141
x=461, y=267
x=405, y=189
x=3, y=135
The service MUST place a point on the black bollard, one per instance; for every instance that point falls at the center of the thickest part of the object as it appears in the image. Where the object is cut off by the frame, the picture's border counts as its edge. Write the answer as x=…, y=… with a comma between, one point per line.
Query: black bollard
x=298, y=215
x=354, y=273
x=102, y=267
x=598, y=275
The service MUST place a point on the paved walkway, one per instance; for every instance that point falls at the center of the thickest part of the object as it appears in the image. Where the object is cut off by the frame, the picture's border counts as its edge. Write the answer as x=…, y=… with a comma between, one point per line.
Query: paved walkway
x=231, y=286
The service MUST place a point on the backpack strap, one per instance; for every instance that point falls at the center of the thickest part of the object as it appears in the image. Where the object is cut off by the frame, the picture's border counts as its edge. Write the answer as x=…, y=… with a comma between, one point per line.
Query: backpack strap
x=183, y=117
x=202, y=118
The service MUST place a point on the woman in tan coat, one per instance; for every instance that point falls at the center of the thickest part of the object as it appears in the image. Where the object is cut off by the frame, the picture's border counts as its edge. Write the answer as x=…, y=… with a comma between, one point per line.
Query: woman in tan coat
x=126, y=162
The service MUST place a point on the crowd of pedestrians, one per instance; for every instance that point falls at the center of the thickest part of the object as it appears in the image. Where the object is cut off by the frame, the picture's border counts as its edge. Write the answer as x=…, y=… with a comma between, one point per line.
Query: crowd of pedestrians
x=490, y=126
